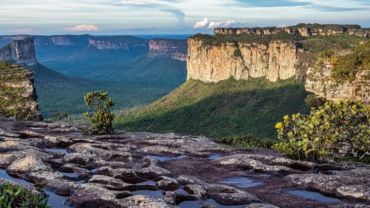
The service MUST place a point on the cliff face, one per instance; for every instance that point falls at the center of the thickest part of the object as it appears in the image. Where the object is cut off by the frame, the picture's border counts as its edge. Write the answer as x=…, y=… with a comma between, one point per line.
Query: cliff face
x=213, y=63
x=17, y=93
x=20, y=51
x=320, y=82
x=175, y=49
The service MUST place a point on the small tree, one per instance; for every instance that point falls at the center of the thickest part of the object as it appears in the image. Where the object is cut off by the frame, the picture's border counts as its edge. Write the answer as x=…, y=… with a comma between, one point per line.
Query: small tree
x=102, y=118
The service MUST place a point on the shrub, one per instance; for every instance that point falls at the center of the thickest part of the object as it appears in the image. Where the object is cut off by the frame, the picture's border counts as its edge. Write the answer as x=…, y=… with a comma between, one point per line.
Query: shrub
x=18, y=197
x=313, y=101
x=102, y=118
x=246, y=142
x=339, y=130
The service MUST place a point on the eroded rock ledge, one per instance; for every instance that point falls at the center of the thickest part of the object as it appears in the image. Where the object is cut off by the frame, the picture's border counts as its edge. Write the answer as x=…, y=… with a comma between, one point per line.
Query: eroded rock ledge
x=168, y=170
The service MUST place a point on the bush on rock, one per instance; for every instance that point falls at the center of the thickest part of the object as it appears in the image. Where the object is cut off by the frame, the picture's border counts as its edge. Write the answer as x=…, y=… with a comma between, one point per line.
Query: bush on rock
x=336, y=130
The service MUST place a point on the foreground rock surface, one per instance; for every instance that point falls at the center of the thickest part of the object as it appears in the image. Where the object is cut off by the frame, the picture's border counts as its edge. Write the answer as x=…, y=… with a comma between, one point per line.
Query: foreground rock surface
x=168, y=170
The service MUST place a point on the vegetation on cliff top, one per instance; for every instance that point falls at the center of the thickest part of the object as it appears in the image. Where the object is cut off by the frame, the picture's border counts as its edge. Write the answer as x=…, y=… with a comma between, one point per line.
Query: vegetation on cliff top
x=346, y=67
x=228, y=108
x=210, y=40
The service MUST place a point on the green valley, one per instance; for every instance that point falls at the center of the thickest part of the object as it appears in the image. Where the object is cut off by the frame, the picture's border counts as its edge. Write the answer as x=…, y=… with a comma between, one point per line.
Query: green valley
x=224, y=109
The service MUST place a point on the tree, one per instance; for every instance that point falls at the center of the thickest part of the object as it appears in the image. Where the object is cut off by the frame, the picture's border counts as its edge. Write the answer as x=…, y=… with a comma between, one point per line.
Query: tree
x=102, y=118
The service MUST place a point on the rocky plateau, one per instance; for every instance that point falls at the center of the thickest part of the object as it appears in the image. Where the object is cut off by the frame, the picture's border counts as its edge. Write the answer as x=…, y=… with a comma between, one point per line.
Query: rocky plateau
x=168, y=170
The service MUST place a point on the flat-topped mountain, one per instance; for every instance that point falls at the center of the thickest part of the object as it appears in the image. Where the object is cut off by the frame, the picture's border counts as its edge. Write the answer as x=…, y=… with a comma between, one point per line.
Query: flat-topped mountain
x=277, y=54
x=304, y=30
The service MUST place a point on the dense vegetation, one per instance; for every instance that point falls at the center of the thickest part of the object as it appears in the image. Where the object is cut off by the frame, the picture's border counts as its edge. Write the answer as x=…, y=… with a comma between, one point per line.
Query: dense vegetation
x=12, y=101
x=346, y=67
x=12, y=196
x=225, y=109
x=102, y=117
x=336, y=130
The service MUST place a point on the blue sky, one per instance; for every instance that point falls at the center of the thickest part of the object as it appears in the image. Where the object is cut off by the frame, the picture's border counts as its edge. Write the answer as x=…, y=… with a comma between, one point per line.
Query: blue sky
x=170, y=16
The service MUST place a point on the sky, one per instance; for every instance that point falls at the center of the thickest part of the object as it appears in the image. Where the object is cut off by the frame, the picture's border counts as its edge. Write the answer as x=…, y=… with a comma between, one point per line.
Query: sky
x=170, y=16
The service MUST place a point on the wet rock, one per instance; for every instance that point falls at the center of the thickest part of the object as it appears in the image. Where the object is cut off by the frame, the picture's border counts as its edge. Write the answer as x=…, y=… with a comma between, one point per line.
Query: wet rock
x=94, y=195
x=189, y=180
x=261, y=206
x=140, y=201
x=79, y=158
x=196, y=190
x=170, y=197
x=166, y=183
x=244, y=161
x=28, y=164
x=57, y=141
x=228, y=195
x=109, y=182
x=343, y=186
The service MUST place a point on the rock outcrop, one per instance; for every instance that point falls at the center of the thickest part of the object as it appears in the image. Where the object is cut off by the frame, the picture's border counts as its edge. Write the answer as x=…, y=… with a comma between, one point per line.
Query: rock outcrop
x=17, y=93
x=20, y=51
x=213, y=63
x=304, y=30
x=168, y=170
x=175, y=49
x=320, y=82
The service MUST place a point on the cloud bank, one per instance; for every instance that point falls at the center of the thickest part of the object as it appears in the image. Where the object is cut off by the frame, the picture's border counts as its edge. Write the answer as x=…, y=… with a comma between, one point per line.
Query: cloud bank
x=206, y=24
x=82, y=28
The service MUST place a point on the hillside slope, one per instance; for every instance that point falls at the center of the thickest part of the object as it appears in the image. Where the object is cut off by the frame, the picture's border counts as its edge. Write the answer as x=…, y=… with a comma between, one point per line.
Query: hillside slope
x=60, y=93
x=224, y=109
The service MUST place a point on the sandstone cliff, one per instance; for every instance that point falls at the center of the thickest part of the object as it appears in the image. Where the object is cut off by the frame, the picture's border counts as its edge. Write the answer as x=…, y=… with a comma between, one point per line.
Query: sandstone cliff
x=213, y=63
x=20, y=51
x=17, y=93
x=175, y=49
x=278, y=54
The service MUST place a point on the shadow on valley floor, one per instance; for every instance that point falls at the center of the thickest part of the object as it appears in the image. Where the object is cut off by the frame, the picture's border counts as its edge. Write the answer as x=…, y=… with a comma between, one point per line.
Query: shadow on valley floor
x=248, y=109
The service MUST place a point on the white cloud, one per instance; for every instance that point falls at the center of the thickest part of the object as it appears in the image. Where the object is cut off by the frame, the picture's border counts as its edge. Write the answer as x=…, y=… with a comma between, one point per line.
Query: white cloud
x=205, y=23
x=202, y=23
x=82, y=28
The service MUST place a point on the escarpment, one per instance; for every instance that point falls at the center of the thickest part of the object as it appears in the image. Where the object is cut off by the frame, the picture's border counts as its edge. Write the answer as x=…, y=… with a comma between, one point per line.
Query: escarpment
x=275, y=60
x=17, y=93
x=175, y=49
x=20, y=51
x=279, y=54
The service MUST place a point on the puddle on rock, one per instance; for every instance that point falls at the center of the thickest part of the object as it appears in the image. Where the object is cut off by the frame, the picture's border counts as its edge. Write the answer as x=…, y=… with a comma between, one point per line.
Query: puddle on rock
x=314, y=196
x=57, y=201
x=54, y=200
x=69, y=175
x=162, y=158
x=4, y=175
x=241, y=182
x=57, y=150
x=150, y=193
x=207, y=203
x=214, y=156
